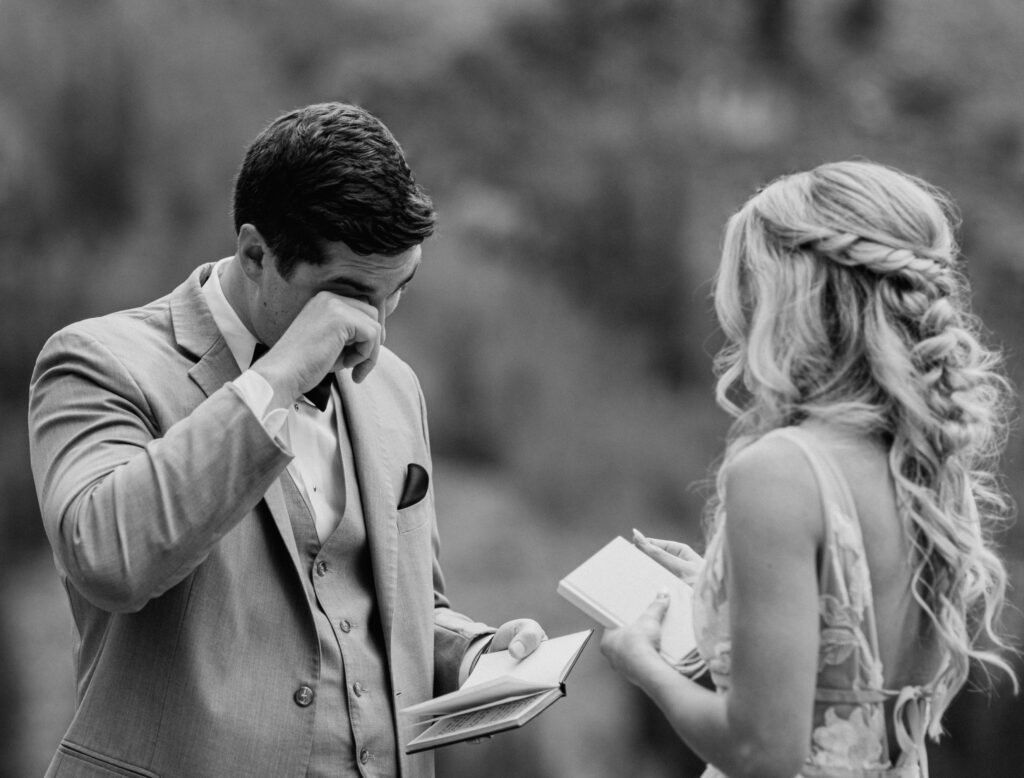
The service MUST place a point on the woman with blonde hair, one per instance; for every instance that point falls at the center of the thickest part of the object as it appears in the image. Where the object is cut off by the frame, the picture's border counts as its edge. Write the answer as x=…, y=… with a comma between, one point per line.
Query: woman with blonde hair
x=849, y=580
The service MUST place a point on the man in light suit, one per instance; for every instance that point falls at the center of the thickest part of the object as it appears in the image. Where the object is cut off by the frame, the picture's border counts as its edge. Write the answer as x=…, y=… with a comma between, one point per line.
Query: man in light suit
x=253, y=575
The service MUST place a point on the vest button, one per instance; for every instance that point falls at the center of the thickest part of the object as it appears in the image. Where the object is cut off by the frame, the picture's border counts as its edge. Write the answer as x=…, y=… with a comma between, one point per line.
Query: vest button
x=358, y=688
x=346, y=625
x=321, y=568
x=364, y=756
x=303, y=696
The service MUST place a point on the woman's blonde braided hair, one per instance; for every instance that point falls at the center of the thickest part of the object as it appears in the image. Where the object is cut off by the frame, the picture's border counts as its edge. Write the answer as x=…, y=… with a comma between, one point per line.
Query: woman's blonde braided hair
x=841, y=298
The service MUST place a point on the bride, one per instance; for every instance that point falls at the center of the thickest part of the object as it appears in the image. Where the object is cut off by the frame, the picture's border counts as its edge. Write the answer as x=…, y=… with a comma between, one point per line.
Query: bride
x=848, y=582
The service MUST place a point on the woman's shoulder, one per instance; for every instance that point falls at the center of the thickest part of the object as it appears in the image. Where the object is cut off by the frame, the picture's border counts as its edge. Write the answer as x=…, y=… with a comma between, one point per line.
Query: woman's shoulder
x=771, y=481
x=778, y=459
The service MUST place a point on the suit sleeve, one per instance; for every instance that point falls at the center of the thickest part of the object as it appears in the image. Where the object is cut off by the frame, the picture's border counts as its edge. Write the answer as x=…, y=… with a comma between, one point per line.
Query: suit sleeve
x=453, y=631
x=129, y=509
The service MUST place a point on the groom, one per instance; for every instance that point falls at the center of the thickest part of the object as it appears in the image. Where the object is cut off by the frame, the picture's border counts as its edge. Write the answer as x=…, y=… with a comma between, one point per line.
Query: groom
x=236, y=483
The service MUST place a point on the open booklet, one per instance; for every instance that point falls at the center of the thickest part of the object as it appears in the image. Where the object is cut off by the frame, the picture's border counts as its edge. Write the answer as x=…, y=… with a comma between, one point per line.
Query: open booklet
x=501, y=693
x=616, y=584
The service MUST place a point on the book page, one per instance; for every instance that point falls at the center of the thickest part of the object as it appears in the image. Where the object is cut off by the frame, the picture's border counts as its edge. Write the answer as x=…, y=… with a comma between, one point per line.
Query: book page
x=545, y=667
x=499, y=675
x=426, y=720
x=499, y=713
x=616, y=584
x=483, y=721
x=489, y=691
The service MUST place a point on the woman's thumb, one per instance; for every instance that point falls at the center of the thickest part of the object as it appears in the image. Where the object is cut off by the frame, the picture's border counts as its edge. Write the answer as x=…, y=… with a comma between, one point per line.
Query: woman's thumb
x=659, y=607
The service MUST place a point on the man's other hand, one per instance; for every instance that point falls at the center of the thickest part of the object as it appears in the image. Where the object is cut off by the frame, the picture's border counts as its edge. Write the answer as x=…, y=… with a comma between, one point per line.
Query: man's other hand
x=520, y=636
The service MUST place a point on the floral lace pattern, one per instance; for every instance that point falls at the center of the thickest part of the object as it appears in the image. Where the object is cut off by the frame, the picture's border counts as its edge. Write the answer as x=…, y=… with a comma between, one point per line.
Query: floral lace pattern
x=849, y=737
x=840, y=743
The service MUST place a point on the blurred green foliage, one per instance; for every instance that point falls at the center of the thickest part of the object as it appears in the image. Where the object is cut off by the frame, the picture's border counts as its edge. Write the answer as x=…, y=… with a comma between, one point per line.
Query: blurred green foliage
x=584, y=155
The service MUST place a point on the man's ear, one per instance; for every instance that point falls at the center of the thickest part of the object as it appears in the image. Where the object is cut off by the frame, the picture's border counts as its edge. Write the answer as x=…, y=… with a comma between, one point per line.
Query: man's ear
x=252, y=250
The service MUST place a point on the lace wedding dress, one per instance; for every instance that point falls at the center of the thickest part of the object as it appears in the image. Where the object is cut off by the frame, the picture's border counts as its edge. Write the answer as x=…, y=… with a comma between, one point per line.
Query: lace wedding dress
x=849, y=738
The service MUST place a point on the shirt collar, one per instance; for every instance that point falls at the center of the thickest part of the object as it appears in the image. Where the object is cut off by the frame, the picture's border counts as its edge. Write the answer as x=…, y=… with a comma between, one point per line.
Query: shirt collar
x=240, y=341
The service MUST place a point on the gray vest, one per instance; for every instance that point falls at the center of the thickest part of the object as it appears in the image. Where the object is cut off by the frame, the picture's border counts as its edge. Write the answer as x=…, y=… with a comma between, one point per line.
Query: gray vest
x=354, y=731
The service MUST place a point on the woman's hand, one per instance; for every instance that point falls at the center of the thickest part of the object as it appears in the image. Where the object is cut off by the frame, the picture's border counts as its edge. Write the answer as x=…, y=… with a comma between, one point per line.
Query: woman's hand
x=632, y=649
x=678, y=558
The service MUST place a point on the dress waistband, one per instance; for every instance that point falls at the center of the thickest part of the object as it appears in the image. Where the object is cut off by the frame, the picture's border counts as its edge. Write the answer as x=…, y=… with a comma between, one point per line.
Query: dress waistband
x=852, y=696
x=910, y=714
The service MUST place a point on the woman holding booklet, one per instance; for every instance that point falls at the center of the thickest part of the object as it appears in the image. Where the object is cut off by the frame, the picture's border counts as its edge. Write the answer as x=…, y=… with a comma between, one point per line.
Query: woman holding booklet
x=842, y=601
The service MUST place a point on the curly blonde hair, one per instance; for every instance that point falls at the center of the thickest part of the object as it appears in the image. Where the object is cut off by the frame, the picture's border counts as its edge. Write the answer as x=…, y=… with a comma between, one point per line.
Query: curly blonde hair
x=841, y=298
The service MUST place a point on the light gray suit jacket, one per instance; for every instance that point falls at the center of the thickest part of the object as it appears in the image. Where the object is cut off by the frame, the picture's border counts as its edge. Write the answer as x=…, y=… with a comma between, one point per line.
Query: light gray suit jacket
x=160, y=496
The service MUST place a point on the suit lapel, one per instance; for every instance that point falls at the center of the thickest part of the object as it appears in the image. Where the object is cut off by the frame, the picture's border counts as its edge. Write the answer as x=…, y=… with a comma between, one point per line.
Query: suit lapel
x=197, y=333
x=361, y=416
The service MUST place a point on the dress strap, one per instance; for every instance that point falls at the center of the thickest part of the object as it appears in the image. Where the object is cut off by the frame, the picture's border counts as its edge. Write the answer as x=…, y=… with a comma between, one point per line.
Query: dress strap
x=831, y=483
x=836, y=498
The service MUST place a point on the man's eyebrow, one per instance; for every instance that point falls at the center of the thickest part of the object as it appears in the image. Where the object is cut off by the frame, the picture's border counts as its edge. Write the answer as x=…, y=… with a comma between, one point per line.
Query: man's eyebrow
x=367, y=289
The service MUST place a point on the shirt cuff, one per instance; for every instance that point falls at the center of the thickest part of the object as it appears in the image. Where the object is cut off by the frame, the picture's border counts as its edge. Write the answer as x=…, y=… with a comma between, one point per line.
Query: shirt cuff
x=478, y=647
x=257, y=394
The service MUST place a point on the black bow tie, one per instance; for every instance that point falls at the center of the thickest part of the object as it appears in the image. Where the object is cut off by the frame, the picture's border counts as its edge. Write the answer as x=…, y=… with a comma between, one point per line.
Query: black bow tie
x=319, y=395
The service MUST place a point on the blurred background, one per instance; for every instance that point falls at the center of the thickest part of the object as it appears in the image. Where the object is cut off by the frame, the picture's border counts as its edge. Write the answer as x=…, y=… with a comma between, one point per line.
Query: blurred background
x=583, y=156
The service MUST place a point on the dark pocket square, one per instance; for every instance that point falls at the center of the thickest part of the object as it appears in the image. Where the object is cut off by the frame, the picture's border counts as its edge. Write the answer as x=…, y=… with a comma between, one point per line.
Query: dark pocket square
x=416, y=483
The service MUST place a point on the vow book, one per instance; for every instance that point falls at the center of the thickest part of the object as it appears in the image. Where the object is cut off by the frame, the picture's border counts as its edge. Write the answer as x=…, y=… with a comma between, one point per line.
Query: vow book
x=501, y=693
x=616, y=585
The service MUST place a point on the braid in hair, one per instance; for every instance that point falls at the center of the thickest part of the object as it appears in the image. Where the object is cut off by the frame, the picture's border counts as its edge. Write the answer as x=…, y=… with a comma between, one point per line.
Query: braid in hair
x=840, y=296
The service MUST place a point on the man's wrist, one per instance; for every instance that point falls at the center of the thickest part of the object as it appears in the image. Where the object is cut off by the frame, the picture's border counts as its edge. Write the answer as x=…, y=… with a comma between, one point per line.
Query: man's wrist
x=258, y=395
x=283, y=387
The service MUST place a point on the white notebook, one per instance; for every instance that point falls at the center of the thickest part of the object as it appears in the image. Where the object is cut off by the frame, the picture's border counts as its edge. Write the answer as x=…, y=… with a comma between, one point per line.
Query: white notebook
x=616, y=584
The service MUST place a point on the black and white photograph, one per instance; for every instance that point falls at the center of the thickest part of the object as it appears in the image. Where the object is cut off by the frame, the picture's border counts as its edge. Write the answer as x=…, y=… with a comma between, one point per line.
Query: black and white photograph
x=511, y=388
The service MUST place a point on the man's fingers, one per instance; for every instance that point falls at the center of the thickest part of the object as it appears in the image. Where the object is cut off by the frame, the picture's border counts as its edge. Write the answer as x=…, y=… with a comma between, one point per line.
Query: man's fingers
x=330, y=333
x=521, y=637
x=371, y=360
x=353, y=302
x=360, y=371
x=362, y=348
x=362, y=360
x=526, y=641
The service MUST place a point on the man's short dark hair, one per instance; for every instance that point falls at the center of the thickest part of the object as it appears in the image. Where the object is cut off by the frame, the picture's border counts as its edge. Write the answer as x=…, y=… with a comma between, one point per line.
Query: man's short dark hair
x=326, y=173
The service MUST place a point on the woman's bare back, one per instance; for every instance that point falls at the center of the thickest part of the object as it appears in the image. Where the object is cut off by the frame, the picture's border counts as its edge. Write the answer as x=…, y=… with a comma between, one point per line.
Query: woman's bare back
x=909, y=656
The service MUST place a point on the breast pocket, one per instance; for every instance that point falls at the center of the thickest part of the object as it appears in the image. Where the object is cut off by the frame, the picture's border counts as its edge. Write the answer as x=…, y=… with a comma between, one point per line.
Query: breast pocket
x=415, y=516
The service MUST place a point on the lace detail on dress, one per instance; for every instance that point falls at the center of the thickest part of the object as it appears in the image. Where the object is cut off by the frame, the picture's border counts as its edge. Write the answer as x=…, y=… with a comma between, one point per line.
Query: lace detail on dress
x=849, y=737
